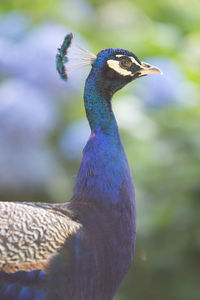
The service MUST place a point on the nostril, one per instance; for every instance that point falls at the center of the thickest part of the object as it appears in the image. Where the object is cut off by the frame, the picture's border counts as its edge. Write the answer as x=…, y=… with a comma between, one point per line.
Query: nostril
x=146, y=65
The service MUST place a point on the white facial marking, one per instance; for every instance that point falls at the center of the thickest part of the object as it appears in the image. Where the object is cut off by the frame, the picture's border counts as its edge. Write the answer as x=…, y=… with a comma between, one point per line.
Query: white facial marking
x=114, y=64
x=135, y=61
x=132, y=59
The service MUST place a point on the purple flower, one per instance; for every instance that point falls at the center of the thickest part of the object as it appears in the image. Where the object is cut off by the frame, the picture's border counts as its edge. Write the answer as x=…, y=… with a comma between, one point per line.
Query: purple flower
x=74, y=138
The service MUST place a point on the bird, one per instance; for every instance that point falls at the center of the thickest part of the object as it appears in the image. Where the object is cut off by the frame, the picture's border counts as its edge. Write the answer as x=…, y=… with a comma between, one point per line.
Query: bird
x=80, y=249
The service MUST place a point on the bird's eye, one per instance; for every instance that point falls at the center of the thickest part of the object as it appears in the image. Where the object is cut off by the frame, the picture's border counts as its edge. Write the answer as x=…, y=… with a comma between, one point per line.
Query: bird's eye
x=125, y=62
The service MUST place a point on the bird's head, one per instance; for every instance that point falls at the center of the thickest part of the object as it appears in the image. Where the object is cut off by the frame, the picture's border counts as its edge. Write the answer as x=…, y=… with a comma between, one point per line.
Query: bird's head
x=117, y=67
x=111, y=68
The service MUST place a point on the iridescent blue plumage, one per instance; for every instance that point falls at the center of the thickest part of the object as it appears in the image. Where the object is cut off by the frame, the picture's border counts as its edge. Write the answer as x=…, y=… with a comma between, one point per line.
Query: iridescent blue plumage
x=22, y=285
x=80, y=250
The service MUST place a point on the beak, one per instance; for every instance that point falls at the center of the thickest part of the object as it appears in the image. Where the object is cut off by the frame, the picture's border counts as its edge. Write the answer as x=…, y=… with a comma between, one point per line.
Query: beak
x=147, y=69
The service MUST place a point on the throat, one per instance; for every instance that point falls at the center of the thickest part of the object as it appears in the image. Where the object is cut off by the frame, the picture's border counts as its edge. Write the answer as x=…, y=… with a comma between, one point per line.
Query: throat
x=98, y=107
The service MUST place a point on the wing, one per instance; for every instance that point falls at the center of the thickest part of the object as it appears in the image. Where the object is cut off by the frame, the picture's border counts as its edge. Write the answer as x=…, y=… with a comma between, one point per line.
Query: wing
x=23, y=285
x=30, y=237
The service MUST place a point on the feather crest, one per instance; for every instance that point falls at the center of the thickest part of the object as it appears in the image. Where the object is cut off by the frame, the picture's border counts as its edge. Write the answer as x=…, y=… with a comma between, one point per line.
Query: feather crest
x=74, y=57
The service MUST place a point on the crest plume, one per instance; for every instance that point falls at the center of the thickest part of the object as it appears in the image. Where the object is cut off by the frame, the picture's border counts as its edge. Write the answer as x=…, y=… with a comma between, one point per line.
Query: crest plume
x=75, y=57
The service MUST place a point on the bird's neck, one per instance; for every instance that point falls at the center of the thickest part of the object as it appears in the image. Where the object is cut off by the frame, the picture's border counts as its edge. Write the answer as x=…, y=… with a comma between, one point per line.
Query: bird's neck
x=104, y=175
x=98, y=107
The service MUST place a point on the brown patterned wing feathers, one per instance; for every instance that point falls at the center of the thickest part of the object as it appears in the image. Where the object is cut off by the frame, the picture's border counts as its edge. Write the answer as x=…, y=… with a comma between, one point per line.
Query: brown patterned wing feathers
x=30, y=236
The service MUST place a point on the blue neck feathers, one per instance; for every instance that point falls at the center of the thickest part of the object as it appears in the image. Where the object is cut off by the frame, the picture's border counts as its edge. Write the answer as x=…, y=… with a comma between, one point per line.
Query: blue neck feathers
x=98, y=105
x=104, y=173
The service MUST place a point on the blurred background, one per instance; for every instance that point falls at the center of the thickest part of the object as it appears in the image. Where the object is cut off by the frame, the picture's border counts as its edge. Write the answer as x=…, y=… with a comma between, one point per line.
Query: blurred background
x=43, y=127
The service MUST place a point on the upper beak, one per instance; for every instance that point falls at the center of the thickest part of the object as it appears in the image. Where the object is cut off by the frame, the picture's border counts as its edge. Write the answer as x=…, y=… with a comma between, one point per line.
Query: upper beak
x=148, y=69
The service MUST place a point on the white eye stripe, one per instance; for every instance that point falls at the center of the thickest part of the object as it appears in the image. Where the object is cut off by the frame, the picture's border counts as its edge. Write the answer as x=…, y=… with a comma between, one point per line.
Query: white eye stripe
x=132, y=59
x=135, y=61
x=114, y=64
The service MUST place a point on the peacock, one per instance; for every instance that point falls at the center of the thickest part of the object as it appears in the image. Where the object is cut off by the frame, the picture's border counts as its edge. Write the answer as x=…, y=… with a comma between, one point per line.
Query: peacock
x=81, y=249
